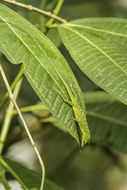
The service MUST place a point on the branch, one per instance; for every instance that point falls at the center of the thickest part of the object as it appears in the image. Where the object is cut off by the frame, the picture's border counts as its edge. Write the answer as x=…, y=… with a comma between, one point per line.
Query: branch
x=31, y=8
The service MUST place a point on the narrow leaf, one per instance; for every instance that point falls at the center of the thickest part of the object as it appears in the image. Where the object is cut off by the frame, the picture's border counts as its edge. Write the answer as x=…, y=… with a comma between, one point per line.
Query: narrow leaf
x=45, y=67
x=30, y=178
x=99, y=48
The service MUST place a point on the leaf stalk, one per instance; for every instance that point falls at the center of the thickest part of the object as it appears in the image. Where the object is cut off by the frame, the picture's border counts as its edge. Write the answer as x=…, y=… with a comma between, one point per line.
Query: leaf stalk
x=8, y=117
x=17, y=78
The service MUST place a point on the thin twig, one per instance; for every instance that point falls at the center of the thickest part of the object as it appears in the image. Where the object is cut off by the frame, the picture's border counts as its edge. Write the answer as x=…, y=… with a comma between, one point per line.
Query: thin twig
x=25, y=126
x=31, y=8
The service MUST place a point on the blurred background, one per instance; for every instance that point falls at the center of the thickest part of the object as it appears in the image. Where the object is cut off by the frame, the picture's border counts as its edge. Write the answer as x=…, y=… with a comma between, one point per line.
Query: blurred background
x=96, y=167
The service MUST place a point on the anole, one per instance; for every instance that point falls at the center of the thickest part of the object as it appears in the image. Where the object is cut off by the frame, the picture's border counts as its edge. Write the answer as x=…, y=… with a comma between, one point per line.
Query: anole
x=78, y=112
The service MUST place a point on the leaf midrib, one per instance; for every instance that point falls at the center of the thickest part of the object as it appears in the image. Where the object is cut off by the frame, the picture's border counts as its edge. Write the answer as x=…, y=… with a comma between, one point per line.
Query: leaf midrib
x=8, y=24
x=95, y=46
x=106, y=118
x=96, y=29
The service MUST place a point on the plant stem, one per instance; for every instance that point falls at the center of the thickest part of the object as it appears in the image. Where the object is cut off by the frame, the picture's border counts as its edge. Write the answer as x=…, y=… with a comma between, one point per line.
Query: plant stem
x=12, y=86
x=51, y=4
x=25, y=126
x=8, y=117
x=31, y=8
x=31, y=108
x=48, y=120
x=42, y=4
x=12, y=172
x=56, y=12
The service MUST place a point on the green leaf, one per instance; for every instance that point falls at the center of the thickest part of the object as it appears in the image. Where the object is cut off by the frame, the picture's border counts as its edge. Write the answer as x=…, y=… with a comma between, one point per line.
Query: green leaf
x=3, y=179
x=107, y=120
x=99, y=48
x=30, y=178
x=21, y=42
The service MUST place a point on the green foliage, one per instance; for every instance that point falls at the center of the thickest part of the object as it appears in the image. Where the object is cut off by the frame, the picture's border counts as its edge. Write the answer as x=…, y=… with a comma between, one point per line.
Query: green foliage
x=43, y=66
x=98, y=48
x=32, y=182
x=107, y=120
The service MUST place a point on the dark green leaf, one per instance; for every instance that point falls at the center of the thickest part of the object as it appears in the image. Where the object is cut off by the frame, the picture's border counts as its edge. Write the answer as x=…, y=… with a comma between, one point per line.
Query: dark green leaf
x=21, y=42
x=30, y=178
x=107, y=120
x=99, y=48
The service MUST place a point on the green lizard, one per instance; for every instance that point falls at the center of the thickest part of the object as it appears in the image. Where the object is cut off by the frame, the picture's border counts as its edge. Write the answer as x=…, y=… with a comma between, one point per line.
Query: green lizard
x=78, y=112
